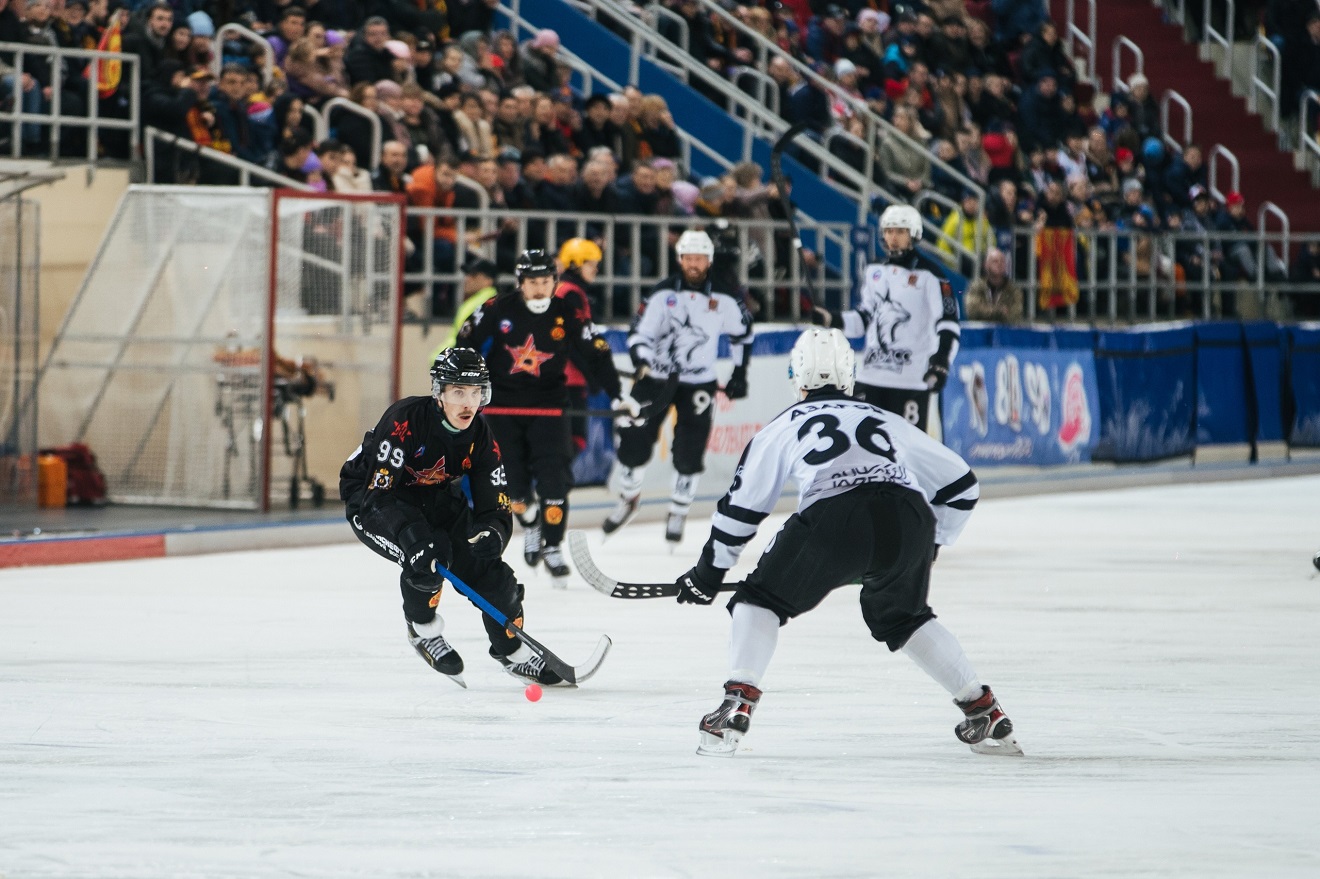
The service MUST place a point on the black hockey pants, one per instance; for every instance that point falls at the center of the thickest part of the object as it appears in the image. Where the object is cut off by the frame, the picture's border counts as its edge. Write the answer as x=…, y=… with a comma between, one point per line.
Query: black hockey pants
x=912, y=406
x=538, y=448
x=695, y=405
x=883, y=535
x=493, y=580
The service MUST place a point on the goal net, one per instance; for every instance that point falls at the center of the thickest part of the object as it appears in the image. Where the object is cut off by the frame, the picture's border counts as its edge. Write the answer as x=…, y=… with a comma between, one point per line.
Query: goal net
x=229, y=345
x=19, y=300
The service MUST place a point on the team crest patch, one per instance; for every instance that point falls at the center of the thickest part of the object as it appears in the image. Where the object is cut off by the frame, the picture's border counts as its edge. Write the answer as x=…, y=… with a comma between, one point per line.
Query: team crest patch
x=559, y=321
x=557, y=333
x=912, y=280
x=420, y=451
x=526, y=358
x=381, y=480
x=401, y=431
x=506, y=325
x=601, y=344
x=713, y=305
x=671, y=300
x=554, y=515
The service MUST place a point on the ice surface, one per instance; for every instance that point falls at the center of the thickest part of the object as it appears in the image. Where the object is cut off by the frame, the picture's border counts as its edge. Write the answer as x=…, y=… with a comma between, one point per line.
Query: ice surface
x=261, y=714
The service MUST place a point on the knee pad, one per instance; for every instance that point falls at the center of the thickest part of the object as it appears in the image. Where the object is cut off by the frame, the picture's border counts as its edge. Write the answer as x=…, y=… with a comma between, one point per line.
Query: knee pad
x=629, y=479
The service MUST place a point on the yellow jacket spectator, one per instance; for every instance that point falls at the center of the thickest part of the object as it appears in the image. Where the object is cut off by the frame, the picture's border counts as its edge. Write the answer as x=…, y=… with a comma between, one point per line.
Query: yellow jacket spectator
x=968, y=227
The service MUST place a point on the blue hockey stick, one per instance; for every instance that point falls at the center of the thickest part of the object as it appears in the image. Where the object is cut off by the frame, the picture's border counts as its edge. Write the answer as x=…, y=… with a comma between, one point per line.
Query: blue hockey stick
x=571, y=674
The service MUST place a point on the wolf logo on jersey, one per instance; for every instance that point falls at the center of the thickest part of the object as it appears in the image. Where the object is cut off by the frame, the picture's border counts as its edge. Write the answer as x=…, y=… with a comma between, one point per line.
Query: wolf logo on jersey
x=682, y=342
x=885, y=323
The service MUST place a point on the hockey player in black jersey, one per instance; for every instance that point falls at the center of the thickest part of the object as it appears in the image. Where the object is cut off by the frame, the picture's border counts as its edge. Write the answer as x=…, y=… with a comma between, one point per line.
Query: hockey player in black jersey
x=405, y=502
x=530, y=334
x=674, y=344
x=877, y=497
x=909, y=318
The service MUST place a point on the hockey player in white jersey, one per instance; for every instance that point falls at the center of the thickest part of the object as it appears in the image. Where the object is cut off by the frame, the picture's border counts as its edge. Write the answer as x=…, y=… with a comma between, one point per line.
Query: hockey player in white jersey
x=674, y=344
x=909, y=318
x=877, y=498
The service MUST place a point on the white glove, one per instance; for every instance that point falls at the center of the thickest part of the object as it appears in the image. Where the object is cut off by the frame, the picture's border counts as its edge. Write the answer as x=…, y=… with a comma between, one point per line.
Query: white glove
x=624, y=406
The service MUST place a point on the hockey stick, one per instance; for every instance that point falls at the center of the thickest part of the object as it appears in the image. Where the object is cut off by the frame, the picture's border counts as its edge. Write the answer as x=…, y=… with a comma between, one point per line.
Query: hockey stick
x=777, y=177
x=577, y=546
x=529, y=412
x=571, y=674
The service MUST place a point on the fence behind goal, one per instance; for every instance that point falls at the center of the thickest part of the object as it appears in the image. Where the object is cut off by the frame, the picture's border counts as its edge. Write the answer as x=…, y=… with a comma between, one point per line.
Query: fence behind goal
x=19, y=238
x=219, y=332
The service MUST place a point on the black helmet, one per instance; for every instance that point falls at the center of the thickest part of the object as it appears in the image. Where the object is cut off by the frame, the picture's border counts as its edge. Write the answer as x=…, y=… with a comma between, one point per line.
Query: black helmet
x=534, y=264
x=460, y=366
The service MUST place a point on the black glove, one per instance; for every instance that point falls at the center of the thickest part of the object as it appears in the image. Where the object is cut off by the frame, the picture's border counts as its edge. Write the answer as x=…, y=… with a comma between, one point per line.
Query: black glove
x=424, y=548
x=736, y=387
x=700, y=585
x=937, y=373
x=486, y=542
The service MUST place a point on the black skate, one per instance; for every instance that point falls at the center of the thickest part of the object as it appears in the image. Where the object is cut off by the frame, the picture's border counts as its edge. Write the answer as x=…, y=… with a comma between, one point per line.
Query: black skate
x=438, y=654
x=723, y=728
x=1316, y=561
x=987, y=729
x=622, y=514
x=553, y=557
x=674, y=527
x=531, y=539
x=526, y=665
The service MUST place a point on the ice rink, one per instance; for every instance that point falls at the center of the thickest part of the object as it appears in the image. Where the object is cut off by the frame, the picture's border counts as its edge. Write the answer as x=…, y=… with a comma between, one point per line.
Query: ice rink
x=261, y=714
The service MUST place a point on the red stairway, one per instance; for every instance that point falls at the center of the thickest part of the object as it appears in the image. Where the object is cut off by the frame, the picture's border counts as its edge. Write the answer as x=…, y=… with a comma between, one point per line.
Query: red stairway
x=1218, y=116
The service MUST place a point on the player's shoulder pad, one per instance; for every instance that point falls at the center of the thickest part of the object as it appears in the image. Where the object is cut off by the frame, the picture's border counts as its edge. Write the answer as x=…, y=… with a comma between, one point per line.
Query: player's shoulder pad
x=934, y=266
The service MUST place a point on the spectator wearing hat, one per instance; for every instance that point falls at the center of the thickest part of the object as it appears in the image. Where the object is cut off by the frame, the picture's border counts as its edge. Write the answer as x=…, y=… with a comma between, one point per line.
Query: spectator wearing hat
x=538, y=60
x=825, y=34
x=967, y=226
x=1001, y=147
x=367, y=59
x=596, y=130
x=1241, y=256
x=1143, y=111
x=995, y=297
x=1191, y=250
x=478, y=288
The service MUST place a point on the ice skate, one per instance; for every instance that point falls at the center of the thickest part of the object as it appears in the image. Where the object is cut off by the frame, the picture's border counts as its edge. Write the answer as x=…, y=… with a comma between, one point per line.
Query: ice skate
x=531, y=538
x=553, y=557
x=674, y=528
x=527, y=666
x=987, y=729
x=723, y=728
x=622, y=514
x=436, y=650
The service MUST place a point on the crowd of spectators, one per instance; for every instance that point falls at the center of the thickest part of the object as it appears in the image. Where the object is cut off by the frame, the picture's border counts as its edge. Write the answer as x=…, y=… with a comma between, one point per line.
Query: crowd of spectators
x=470, y=116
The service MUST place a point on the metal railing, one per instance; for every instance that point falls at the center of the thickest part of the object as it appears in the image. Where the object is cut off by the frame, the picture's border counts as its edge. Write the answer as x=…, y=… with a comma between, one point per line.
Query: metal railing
x=1134, y=276
x=1224, y=39
x=1172, y=97
x=93, y=122
x=247, y=35
x=1259, y=86
x=1216, y=152
x=328, y=109
x=1073, y=35
x=761, y=118
x=1118, y=84
x=244, y=171
x=638, y=254
x=1308, y=147
x=876, y=127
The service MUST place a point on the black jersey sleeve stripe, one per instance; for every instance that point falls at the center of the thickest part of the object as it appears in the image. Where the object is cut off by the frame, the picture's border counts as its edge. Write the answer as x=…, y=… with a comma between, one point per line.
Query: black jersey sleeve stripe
x=955, y=488
x=964, y=504
x=728, y=539
x=739, y=514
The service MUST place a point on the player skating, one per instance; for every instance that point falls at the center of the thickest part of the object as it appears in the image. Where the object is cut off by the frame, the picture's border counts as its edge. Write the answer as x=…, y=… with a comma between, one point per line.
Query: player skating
x=674, y=344
x=405, y=502
x=877, y=497
x=530, y=334
x=909, y=318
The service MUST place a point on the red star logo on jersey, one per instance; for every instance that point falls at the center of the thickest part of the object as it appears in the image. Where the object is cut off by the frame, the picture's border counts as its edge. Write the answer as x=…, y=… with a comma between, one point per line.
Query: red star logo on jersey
x=526, y=358
x=433, y=475
x=401, y=431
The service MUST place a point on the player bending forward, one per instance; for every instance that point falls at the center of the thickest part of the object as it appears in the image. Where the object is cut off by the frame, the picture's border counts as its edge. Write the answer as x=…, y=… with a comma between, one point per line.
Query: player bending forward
x=877, y=497
x=405, y=502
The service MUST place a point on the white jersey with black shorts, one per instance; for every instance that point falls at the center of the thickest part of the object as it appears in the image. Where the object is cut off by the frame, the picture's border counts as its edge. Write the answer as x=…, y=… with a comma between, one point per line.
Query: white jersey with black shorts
x=875, y=497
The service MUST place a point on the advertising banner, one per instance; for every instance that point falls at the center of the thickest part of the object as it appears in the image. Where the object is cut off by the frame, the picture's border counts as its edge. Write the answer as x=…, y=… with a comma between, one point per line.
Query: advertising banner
x=1022, y=406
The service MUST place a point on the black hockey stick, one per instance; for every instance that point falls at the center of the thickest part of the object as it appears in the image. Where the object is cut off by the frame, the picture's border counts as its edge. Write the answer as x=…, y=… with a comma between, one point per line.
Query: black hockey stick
x=777, y=177
x=572, y=674
x=577, y=545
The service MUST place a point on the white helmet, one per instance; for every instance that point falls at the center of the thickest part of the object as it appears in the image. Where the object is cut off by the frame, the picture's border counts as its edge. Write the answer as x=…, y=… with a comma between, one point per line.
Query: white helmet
x=693, y=241
x=902, y=216
x=822, y=357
